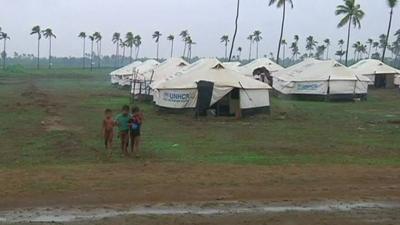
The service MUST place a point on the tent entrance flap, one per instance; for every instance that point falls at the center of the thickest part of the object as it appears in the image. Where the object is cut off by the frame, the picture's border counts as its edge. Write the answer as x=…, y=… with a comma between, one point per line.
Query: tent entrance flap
x=205, y=93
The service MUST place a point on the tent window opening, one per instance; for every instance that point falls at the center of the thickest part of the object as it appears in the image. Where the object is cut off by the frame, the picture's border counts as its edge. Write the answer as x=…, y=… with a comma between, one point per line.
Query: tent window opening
x=229, y=105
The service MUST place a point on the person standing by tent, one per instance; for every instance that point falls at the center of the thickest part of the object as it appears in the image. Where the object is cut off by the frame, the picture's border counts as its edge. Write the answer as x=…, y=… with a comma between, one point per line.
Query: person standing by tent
x=135, y=127
x=122, y=121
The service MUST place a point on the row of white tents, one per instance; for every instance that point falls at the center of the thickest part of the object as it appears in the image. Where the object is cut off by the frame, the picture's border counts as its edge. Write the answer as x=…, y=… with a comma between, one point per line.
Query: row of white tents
x=231, y=89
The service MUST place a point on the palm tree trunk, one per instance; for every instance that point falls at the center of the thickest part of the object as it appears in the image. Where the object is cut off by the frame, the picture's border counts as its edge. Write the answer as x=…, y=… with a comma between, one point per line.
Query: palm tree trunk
x=348, y=42
x=226, y=50
x=50, y=52
x=137, y=52
x=172, y=48
x=184, y=50
x=38, y=54
x=99, y=55
x=327, y=52
x=257, y=49
x=236, y=29
x=117, y=55
x=91, y=56
x=158, y=45
x=123, y=55
x=130, y=54
x=4, y=54
x=283, y=25
x=369, y=52
x=387, y=36
x=84, y=48
x=250, y=50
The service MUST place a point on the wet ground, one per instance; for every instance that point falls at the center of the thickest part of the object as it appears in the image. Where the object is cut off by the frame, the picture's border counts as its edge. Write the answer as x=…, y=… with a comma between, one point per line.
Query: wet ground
x=377, y=212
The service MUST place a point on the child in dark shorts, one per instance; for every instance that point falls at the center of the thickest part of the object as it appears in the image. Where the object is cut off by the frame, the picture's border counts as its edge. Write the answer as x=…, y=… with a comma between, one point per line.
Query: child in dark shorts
x=135, y=128
x=122, y=122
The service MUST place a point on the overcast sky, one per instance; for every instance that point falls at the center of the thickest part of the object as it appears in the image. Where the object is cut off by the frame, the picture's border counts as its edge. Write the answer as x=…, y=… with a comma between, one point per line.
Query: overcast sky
x=207, y=21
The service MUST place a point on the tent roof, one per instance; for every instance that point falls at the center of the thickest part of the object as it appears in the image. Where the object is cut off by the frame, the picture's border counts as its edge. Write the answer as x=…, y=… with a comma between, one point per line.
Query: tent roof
x=258, y=63
x=167, y=69
x=147, y=66
x=373, y=66
x=231, y=65
x=317, y=70
x=212, y=70
x=126, y=70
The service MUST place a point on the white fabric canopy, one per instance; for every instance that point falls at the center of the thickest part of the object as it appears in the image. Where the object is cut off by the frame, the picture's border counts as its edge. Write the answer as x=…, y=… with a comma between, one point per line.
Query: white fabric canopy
x=167, y=70
x=249, y=68
x=372, y=67
x=319, y=78
x=181, y=91
x=126, y=70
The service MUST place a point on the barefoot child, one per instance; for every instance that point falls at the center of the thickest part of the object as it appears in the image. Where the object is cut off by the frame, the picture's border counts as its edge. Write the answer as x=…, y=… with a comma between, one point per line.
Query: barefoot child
x=108, y=129
x=135, y=126
x=122, y=122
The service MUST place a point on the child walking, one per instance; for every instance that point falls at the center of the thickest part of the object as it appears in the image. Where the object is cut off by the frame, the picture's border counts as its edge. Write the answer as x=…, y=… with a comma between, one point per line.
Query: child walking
x=135, y=127
x=108, y=129
x=122, y=121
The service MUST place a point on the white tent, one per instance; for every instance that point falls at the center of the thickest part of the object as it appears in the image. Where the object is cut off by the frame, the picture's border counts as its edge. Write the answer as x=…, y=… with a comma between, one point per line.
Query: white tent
x=315, y=77
x=142, y=76
x=182, y=91
x=198, y=64
x=249, y=68
x=167, y=70
x=373, y=68
x=121, y=75
x=232, y=65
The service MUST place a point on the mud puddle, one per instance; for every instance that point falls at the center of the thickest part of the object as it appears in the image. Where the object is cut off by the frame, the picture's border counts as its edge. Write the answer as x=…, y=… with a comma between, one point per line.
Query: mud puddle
x=60, y=214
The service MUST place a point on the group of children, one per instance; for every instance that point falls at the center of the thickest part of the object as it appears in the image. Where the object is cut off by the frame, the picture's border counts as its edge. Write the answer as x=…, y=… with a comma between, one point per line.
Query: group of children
x=129, y=125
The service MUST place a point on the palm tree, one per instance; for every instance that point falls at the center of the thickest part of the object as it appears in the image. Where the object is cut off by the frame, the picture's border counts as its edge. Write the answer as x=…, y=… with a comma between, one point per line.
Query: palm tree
x=295, y=50
x=184, y=34
x=281, y=3
x=251, y=39
x=356, y=47
x=137, y=42
x=327, y=45
x=257, y=38
x=236, y=29
x=91, y=38
x=130, y=40
x=189, y=42
x=225, y=41
x=370, y=41
x=310, y=44
x=115, y=39
x=4, y=36
x=284, y=44
x=48, y=33
x=382, y=41
x=123, y=45
x=392, y=4
x=239, y=49
x=352, y=15
x=156, y=37
x=296, y=38
x=36, y=30
x=171, y=38
x=340, y=53
x=320, y=51
x=83, y=36
x=98, y=37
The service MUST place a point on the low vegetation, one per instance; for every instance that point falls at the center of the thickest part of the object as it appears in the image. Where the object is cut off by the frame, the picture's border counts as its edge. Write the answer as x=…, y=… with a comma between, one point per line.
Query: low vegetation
x=53, y=117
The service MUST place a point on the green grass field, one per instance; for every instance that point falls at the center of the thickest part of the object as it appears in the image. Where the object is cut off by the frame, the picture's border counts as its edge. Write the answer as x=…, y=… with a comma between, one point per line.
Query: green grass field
x=53, y=117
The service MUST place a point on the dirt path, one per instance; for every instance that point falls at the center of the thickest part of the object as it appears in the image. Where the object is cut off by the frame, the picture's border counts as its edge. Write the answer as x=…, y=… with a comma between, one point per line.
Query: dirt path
x=254, y=209
x=146, y=182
